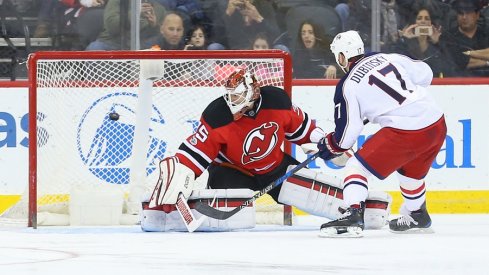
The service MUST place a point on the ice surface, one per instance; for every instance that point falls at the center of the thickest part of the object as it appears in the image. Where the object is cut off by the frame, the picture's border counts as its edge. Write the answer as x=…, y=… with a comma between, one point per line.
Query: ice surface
x=459, y=246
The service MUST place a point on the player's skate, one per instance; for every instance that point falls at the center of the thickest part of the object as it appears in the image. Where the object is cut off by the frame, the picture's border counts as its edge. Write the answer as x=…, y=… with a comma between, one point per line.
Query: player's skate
x=418, y=221
x=350, y=225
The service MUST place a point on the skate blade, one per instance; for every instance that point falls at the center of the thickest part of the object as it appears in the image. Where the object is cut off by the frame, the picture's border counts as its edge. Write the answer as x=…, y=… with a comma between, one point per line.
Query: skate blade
x=348, y=232
x=428, y=230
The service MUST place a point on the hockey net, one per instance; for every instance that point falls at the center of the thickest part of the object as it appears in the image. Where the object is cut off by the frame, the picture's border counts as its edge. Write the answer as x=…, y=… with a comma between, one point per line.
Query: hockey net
x=103, y=120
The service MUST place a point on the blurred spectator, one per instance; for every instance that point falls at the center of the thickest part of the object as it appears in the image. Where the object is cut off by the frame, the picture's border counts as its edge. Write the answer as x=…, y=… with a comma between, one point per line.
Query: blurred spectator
x=196, y=38
x=90, y=22
x=171, y=33
x=200, y=69
x=190, y=10
x=359, y=19
x=420, y=40
x=45, y=18
x=79, y=22
x=270, y=72
x=312, y=57
x=62, y=15
x=343, y=11
x=242, y=20
x=468, y=36
x=261, y=42
x=110, y=38
x=389, y=21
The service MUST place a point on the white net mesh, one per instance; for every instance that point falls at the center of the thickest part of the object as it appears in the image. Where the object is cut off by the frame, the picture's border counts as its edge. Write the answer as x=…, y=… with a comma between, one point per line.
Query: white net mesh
x=79, y=144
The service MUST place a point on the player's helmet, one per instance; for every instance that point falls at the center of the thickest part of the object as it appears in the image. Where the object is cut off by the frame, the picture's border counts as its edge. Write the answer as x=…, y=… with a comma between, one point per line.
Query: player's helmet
x=349, y=43
x=242, y=90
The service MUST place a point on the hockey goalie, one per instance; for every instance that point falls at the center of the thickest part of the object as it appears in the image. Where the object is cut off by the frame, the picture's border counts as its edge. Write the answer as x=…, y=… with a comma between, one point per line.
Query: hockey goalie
x=238, y=142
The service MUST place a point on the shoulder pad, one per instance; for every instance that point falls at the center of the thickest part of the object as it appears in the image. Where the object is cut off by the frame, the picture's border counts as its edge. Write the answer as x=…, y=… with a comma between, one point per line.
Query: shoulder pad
x=217, y=113
x=275, y=98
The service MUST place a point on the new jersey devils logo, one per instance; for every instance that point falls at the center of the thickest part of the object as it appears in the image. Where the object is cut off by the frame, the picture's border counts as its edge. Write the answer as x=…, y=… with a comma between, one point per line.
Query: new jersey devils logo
x=260, y=142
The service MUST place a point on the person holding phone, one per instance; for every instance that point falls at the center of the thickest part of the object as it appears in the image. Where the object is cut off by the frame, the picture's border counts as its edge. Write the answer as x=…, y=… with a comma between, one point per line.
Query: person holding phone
x=421, y=41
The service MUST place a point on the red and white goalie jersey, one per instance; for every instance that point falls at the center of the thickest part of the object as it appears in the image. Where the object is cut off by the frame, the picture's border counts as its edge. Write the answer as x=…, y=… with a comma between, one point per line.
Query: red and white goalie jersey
x=392, y=92
x=252, y=142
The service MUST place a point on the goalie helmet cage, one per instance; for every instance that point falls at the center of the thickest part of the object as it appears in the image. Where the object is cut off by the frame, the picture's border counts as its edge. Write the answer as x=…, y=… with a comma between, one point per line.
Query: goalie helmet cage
x=83, y=123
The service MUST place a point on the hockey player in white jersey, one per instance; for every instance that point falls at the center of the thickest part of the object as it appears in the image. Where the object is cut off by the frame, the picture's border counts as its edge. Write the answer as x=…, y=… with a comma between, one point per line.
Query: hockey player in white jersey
x=389, y=90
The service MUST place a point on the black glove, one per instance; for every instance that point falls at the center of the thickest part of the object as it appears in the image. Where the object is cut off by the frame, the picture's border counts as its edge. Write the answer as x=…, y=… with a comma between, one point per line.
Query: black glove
x=328, y=148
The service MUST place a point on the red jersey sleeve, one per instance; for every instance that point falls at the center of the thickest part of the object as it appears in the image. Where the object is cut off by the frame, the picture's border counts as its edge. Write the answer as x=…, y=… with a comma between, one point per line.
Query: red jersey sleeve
x=200, y=149
x=299, y=127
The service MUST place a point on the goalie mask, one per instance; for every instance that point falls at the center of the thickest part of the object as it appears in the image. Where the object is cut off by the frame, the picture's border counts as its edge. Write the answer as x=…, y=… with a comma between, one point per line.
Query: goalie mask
x=348, y=43
x=242, y=89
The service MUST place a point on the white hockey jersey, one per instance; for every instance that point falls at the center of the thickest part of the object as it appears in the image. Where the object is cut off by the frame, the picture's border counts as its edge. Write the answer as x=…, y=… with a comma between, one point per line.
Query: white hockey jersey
x=387, y=89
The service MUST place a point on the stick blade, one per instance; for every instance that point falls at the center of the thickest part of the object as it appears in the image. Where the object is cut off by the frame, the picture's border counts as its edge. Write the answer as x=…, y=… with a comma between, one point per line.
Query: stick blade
x=188, y=218
x=211, y=212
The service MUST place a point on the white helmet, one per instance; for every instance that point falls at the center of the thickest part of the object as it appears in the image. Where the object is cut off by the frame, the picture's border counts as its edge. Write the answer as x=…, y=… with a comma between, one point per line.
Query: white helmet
x=349, y=43
x=242, y=90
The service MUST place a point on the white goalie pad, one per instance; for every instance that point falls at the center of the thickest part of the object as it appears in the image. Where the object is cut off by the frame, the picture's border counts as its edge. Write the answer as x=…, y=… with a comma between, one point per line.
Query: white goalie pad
x=175, y=178
x=322, y=195
x=314, y=193
x=165, y=217
x=377, y=209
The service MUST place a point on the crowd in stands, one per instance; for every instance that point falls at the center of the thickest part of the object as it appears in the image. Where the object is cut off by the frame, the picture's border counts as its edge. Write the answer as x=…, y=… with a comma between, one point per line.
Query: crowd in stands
x=452, y=36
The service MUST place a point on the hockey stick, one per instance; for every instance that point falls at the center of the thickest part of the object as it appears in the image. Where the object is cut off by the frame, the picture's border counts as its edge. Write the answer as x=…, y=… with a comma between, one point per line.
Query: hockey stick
x=209, y=211
x=188, y=218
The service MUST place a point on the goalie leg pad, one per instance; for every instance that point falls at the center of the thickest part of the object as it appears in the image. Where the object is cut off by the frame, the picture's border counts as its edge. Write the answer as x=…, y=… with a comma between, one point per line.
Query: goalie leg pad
x=322, y=195
x=315, y=193
x=166, y=217
x=377, y=209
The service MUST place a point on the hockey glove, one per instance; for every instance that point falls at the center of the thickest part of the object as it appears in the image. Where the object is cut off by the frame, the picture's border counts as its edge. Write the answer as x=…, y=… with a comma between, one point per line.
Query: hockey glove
x=328, y=148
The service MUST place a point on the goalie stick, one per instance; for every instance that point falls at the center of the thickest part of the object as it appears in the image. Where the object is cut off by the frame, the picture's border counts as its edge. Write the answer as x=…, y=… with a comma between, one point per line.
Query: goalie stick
x=209, y=211
x=188, y=218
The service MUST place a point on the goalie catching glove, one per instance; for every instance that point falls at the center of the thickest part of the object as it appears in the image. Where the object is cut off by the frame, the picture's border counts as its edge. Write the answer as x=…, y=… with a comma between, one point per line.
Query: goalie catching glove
x=175, y=178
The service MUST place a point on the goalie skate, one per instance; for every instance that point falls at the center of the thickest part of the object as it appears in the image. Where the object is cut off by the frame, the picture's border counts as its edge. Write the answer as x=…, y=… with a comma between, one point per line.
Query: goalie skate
x=350, y=225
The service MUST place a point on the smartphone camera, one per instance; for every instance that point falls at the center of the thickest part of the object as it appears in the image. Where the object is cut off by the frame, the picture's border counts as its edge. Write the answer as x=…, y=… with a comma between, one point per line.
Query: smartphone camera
x=240, y=5
x=423, y=30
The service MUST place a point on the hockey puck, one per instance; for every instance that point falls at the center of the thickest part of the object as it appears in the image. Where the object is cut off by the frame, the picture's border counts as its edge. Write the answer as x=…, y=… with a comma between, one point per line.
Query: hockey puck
x=114, y=116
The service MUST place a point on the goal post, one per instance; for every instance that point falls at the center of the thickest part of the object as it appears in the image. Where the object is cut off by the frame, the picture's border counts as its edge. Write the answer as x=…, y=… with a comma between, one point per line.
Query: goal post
x=86, y=113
